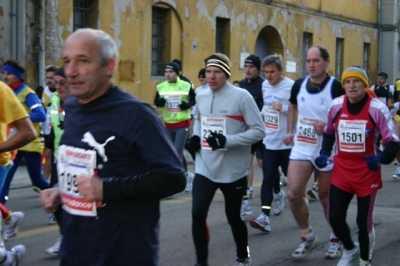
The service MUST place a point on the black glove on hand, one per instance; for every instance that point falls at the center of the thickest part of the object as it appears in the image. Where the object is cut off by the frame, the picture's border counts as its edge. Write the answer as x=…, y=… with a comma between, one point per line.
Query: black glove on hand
x=193, y=145
x=184, y=105
x=216, y=141
x=160, y=102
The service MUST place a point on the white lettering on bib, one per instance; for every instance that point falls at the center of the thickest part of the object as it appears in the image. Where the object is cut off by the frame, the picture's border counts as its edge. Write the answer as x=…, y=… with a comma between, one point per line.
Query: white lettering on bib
x=211, y=124
x=352, y=135
x=71, y=163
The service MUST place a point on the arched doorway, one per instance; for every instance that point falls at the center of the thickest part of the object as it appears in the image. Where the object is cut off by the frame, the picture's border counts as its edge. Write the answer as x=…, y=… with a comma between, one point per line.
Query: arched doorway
x=268, y=42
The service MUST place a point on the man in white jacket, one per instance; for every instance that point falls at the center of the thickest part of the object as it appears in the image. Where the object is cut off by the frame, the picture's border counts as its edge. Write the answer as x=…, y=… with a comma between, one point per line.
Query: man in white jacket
x=228, y=122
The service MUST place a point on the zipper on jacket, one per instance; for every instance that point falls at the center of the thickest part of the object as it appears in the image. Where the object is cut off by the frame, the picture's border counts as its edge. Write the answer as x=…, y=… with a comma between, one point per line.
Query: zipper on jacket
x=212, y=103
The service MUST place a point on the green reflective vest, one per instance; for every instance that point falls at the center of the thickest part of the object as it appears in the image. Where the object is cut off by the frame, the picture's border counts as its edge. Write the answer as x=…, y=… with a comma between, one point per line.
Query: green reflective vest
x=57, y=116
x=174, y=94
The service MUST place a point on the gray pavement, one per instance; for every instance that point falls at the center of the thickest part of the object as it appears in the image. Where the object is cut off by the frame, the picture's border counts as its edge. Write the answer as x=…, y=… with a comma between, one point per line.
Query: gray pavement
x=176, y=245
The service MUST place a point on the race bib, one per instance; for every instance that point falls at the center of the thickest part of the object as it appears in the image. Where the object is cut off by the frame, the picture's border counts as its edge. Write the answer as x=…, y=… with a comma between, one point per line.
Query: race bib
x=172, y=103
x=71, y=163
x=352, y=135
x=211, y=124
x=271, y=118
x=305, y=131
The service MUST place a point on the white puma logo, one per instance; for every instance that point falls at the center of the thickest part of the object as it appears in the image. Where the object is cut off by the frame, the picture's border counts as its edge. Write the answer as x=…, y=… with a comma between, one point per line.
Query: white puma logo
x=89, y=139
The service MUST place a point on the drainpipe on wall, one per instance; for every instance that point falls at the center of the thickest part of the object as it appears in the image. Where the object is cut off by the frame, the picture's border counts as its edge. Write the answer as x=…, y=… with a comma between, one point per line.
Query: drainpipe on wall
x=13, y=29
x=20, y=31
x=380, y=36
x=42, y=52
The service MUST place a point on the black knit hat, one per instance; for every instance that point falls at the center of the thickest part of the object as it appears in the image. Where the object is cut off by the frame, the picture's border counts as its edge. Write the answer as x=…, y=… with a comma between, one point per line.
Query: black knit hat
x=254, y=60
x=178, y=62
x=202, y=72
x=60, y=72
x=174, y=67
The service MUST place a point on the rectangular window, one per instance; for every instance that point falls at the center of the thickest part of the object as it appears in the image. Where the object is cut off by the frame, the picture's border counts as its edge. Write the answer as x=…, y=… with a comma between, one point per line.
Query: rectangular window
x=339, y=58
x=85, y=14
x=222, y=36
x=307, y=43
x=158, y=41
x=366, y=56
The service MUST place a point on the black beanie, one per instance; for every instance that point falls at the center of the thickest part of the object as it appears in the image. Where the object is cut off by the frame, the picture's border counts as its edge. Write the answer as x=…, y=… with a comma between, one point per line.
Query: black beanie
x=254, y=60
x=178, y=62
x=174, y=67
x=202, y=72
x=60, y=72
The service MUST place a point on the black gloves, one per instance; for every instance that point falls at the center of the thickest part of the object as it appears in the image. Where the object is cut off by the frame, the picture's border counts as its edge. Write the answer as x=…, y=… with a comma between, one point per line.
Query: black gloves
x=193, y=145
x=216, y=141
x=160, y=102
x=184, y=105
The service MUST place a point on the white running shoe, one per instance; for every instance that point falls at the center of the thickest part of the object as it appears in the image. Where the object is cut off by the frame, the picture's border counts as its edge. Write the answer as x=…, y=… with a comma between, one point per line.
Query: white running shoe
x=17, y=252
x=246, y=209
x=189, y=182
x=247, y=262
x=54, y=249
x=304, y=248
x=350, y=257
x=11, y=226
x=396, y=174
x=262, y=223
x=334, y=250
x=313, y=192
x=52, y=219
x=279, y=203
x=250, y=193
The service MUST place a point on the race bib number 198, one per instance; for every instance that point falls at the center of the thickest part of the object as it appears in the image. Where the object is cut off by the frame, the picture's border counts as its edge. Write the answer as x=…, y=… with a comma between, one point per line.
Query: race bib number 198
x=71, y=163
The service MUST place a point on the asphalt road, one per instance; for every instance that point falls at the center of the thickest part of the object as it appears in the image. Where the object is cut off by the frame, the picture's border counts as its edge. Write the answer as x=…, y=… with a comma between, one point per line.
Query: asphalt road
x=176, y=246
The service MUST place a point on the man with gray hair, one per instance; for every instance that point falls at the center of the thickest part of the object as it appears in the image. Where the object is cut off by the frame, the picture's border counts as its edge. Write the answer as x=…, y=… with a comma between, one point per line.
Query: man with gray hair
x=112, y=172
x=228, y=122
x=276, y=93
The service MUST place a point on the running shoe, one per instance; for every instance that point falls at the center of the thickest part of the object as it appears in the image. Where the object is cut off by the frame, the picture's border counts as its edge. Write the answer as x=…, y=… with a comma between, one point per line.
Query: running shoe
x=250, y=193
x=350, y=257
x=189, y=182
x=246, y=209
x=313, y=192
x=305, y=247
x=334, y=250
x=262, y=223
x=396, y=174
x=17, y=252
x=279, y=203
x=53, y=250
x=52, y=219
x=365, y=263
x=11, y=226
x=246, y=262
x=283, y=181
x=36, y=189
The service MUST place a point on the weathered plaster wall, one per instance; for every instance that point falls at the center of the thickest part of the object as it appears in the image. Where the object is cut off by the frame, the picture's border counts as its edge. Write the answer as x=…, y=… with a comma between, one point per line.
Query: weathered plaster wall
x=194, y=27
